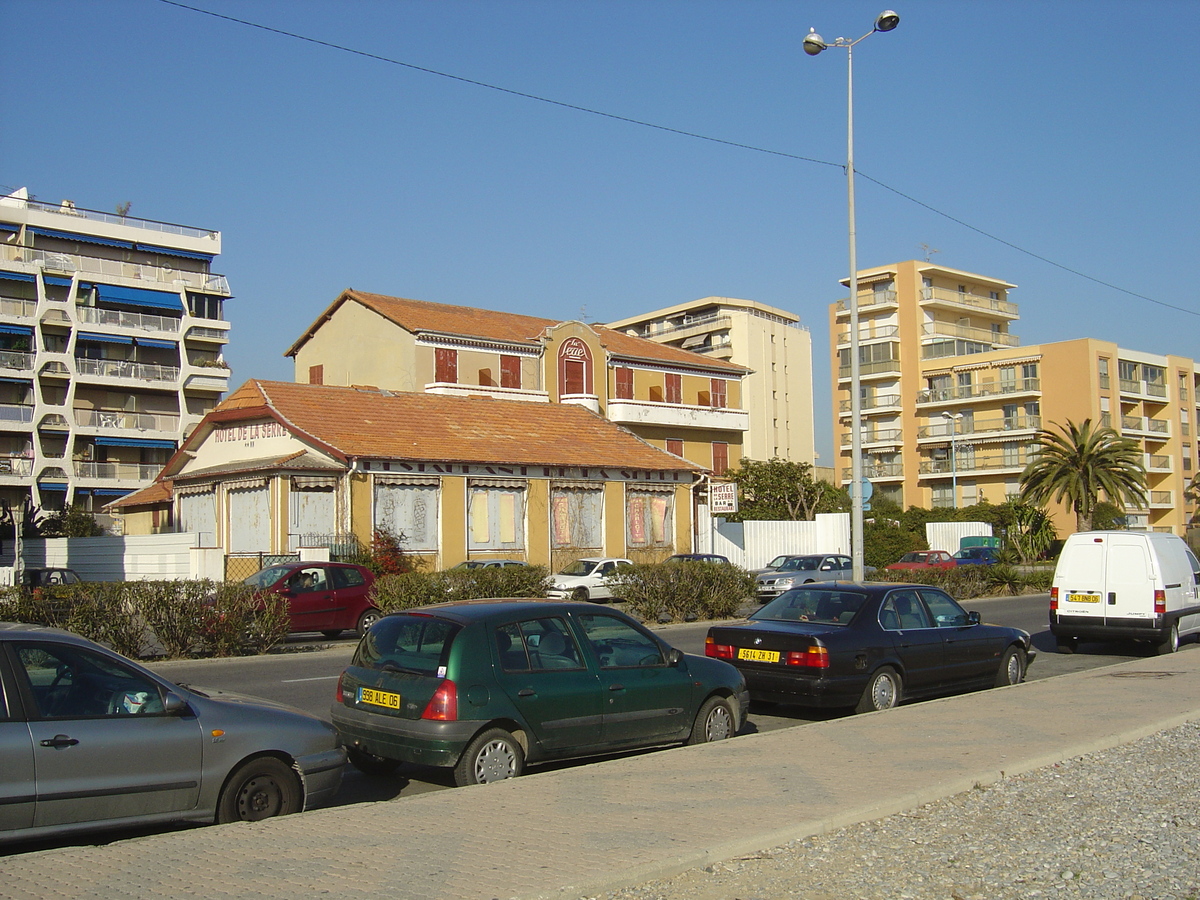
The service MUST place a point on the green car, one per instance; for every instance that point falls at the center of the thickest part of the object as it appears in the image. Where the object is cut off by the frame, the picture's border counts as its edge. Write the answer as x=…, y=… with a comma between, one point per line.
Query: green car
x=485, y=686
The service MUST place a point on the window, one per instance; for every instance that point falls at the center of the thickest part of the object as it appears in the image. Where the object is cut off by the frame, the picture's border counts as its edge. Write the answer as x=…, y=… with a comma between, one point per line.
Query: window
x=537, y=645
x=408, y=508
x=674, y=388
x=719, y=397
x=446, y=365
x=943, y=495
x=1008, y=379
x=496, y=517
x=648, y=520
x=675, y=445
x=72, y=683
x=510, y=372
x=720, y=457
x=624, y=383
x=309, y=580
x=903, y=610
x=946, y=613
x=1102, y=364
x=577, y=517
x=316, y=374
x=574, y=377
x=619, y=645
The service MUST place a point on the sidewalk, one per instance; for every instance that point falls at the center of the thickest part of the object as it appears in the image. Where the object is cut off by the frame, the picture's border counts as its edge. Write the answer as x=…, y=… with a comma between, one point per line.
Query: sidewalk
x=581, y=831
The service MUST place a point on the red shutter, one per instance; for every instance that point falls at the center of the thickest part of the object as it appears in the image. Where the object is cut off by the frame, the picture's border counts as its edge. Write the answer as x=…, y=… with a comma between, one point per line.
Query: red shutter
x=675, y=445
x=510, y=372
x=674, y=388
x=316, y=374
x=573, y=372
x=624, y=383
x=446, y=365
x=718, y=393
x=720, y=454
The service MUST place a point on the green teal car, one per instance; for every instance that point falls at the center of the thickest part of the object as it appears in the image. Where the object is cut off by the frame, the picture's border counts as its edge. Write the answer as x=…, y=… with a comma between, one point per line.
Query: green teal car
x=486, y=686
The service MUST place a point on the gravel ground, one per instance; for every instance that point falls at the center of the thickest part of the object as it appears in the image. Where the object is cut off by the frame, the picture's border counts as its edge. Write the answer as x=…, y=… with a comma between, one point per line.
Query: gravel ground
x=1122, y=824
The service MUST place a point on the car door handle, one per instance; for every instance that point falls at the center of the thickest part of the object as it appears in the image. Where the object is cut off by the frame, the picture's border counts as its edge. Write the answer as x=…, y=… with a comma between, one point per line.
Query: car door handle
x=60, y=740
x=526, y=692
x=616, y=687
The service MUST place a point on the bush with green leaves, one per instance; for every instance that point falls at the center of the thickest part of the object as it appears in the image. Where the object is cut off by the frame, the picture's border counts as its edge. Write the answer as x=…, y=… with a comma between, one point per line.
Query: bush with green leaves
x=99, y=611
x=411, y=589
x=682, y=591
x=884, y=543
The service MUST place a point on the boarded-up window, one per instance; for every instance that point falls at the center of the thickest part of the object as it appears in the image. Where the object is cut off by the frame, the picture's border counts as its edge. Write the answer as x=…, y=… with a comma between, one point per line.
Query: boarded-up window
x=510, y=372
x=648, y=518
x=312, y=513
x=496, y=517
x=720, y=457
x=249, y=519
x=577, y=517
x=718, y=395
x=446, y=362
x=675, y=445
x=574, y=373
x=198, y=514
x=408, y=511
x=316, y=374
x=624, y=383
x=674, y=388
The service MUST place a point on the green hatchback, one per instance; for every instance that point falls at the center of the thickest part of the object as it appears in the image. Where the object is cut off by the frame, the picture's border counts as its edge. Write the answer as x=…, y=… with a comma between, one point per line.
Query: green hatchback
x=485, y=686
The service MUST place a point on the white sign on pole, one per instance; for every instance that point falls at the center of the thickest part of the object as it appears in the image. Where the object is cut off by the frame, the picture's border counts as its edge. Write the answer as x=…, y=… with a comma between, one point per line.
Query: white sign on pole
x=722, y=498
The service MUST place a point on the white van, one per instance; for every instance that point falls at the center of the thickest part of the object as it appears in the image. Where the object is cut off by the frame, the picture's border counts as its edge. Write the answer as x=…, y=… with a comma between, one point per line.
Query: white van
x=1117, y=585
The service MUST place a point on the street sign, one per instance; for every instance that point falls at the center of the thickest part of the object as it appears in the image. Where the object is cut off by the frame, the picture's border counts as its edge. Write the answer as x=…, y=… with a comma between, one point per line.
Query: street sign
x=868, y=490
x=722, y=498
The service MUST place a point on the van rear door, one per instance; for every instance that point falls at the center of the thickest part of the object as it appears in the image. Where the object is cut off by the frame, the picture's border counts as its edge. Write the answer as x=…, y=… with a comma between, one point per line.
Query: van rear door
x=1080, y=579
x=1130, y=578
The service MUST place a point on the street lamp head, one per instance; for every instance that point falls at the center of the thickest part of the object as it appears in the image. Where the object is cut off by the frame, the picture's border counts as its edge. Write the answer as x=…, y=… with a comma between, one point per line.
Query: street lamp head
x=814, y=43
x=887, y=21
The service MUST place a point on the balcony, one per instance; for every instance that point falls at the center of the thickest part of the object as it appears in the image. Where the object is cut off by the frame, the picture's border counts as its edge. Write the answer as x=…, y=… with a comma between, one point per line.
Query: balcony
x=694, y=324
x=15, y=308
x=92, y=315
x=128, y=371
x=950, y=330
x=868, y=333
x=1158, y=462
x=204, y=333
x=94, y=267
x=883, y=402
x=867, y=369
x=15, y=467
x=944, y=430
x=943, y=297
x=876, y=471
x=18, y=414
x=119, y=420
x=973, y=392
x=1162, y=500
x=968, y=464
x=878, y=436
x=872, y=300
x=1143, y=426
x=117, y=471
x=1153, y=389
x=16, y=360
x=677, y=415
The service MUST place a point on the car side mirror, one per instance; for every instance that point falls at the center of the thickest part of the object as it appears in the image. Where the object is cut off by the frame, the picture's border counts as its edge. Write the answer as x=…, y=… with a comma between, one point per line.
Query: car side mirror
x=174, y=705
x=973, y=618
x=674, y=657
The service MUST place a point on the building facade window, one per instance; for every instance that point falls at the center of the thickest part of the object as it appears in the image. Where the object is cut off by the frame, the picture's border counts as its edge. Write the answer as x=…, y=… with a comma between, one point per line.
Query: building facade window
x=675, y=445
x=577, y=517
x=718, y=395
x=624, y=376
x=496, y=517
x=720, y=457
x=674, y=388
x=446, y=365
x=1102, y=364
x=574, y=367
x=510, y=372
x=409, y=508
x=648, y=517
x=316, y=374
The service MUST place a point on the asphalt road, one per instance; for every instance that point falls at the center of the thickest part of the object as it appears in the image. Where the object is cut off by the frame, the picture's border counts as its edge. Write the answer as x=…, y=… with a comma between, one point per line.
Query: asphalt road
x=306, y=677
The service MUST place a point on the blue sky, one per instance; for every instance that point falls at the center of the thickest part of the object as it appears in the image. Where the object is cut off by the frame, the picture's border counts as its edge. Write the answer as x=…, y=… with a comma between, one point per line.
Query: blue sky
x=1068, y=129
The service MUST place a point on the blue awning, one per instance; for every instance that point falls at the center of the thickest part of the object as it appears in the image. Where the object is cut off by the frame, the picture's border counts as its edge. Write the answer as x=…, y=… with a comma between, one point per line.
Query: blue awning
x=105, y=338
x=171, y=251
x=82, y=238
x=140, y=297
x=22, y=330
x=162, y=345
x=52, y=485
x=28, y=380
x=109, y=492
x=134, y=442
x=17, y=276
x=54, y=279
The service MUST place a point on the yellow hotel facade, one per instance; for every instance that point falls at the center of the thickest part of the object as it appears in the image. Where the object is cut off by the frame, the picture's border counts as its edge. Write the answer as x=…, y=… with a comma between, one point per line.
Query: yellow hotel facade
x=951, y=401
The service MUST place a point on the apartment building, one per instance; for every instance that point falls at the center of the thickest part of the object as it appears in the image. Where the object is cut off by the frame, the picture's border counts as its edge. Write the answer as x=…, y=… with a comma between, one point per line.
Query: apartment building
x=111, y=335
x=686, y=403
x=777, y=393
x=952, y=402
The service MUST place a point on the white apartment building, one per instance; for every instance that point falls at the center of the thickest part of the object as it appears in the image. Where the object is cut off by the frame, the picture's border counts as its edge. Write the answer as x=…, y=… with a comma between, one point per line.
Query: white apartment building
x=111, y=335
x=777, y=394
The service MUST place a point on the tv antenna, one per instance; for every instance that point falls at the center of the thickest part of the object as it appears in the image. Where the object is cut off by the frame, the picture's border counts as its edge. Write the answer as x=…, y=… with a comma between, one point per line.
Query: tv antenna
x=929, y=251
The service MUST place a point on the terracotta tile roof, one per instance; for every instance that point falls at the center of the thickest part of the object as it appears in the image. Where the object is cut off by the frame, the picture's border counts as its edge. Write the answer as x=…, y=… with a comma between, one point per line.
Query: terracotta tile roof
x=158, y=492
x=433, y=427
x=466, y=321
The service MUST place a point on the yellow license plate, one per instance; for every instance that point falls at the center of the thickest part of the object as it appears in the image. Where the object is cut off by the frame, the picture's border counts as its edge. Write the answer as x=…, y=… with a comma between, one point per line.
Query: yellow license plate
x=758, y=655
x=379, y=698
x=1083, y=598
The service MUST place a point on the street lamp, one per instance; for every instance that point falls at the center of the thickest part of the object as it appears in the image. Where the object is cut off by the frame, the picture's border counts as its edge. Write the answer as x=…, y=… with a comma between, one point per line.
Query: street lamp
x=814, y=44
x=953, y=419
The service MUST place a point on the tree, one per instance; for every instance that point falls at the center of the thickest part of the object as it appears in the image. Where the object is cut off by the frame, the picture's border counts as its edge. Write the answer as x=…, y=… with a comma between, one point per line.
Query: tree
x=1192, y=493
x=74, y=521
x=1079, y=463
x=783, y=490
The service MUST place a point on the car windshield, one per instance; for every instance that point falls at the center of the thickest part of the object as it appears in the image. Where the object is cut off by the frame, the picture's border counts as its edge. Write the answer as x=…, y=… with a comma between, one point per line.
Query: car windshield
x=803, y=563
x=777, y=562
x=579, y=567
x=267, y=576
x=416, y=644
x=913, y=557
x=807, y=605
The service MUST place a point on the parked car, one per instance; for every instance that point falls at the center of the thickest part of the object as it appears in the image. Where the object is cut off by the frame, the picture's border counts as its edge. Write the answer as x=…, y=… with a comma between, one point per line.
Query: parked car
x=868, y=646
x=794, y=571
x=698, y=557
x=328, y=597
x=486, y=686
x=47, y=577
x=1114, y=585
x=488, y=564
x=976, y=556
x=923, y=559
x=584, y=579
x=89, y=740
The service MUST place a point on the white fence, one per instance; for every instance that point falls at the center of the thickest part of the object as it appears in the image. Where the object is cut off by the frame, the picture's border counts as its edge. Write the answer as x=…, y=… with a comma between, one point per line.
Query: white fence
x=946, y=535
x=139, y=558
x=752, y=545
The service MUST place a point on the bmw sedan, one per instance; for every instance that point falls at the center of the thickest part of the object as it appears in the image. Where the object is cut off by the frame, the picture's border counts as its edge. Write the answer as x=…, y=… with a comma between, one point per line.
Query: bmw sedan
x=868, y=646
x=485, y=686
x=91, y=740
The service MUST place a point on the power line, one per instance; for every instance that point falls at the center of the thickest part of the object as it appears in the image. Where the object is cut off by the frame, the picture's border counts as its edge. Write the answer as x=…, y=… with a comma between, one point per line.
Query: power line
x=677, y=131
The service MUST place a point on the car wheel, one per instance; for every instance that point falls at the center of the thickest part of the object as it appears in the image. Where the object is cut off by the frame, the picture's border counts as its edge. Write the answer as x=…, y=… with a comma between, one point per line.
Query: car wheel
x=581, y=595
x=1067, y=644
x=881, y=692
x=332, y=633
x=366, y=620
x=493, y=756
x=259, y=789
x=370, y=764
x=1012, y=667
x=714, y=722
x=1171, y=643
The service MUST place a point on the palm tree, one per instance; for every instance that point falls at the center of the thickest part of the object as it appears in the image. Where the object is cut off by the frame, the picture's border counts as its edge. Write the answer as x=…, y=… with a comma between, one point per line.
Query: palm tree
x=1192, y=493
x=1078, y=463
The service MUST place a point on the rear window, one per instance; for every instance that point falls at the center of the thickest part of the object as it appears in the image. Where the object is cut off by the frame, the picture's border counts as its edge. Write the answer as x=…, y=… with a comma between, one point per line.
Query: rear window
x=820, y=607
x=417, y=644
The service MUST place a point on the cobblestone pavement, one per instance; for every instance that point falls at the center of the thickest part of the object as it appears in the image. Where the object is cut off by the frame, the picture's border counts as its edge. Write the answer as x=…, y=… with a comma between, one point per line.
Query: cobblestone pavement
x=1120, y=824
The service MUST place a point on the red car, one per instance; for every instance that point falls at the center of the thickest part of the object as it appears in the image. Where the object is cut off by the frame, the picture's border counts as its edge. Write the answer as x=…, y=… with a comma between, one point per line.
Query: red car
x=328, y=597
x=924, y=559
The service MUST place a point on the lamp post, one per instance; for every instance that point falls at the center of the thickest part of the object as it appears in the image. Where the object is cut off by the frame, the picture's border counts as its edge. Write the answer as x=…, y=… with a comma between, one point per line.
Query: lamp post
x=953, y=418
x=813, y=44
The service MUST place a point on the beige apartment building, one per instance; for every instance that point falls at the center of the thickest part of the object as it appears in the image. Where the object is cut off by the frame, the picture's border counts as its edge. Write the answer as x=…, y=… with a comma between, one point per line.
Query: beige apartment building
x=951, y=401
x=770, y=342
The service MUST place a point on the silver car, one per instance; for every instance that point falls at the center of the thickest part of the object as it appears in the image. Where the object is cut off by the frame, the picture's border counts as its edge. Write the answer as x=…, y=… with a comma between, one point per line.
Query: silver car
x=90, y=740
x=797, y=570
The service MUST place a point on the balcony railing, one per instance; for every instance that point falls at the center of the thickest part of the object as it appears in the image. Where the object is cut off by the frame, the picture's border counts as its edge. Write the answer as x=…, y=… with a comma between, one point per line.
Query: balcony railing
x=881, y=402
x=17, y=308
x=709, y=321
x=1158, y=462
x=875, y=470
x=967, y=464
x=203, y=333
x=871, y=368
x=16, y=359
x=879, y=436
x=1145, y=425
x=16, y=412
x=969, y=333
x=16, y=465
x=93, y=315
x=970, y=392
x=120, y=368
x=1161, y=498
x=869, y=299
x=974, y=301
x=115, y=268
x=1143, y=388
x=117, y=219
x=126, y=421
x=980, y=426
x=116, y=471
x=870, y=333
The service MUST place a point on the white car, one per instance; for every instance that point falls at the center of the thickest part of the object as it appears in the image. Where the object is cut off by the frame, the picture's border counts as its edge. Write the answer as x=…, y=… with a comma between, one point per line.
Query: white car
x=584, y=579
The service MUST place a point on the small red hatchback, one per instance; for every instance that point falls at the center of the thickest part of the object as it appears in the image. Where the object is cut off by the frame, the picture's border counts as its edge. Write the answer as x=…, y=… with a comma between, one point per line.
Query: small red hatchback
x=328, y=597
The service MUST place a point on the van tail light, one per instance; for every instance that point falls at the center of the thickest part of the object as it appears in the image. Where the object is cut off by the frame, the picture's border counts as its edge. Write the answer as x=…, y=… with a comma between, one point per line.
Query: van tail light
x=1053, y=599
x=717, y=651
x=1160, y=602
x=814, y=657
x=443, y=705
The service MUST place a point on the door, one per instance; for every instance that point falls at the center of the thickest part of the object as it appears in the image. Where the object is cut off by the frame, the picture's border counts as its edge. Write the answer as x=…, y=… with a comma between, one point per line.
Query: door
x=350, y=595
x=645, y=699
x=969, y=652
x=103, y=746
x=1129, y=579
x=541, y=670
x=917, y=642
x=310, y=596
x=16, y=759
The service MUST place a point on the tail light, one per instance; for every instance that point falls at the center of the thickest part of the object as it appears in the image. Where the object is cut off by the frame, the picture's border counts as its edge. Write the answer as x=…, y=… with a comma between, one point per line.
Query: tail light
x=815, y=657
x=1053, y=599
x=717, y=651
x=443, y=705
x=341, y=696
x=1160, y=602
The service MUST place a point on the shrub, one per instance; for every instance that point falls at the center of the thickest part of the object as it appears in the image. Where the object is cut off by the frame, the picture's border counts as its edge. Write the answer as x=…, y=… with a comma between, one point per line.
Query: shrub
x=884, y=543
x=235, y=620
x=395, y=592
x=411, y=589
x=99, y=611
x=681, y=591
